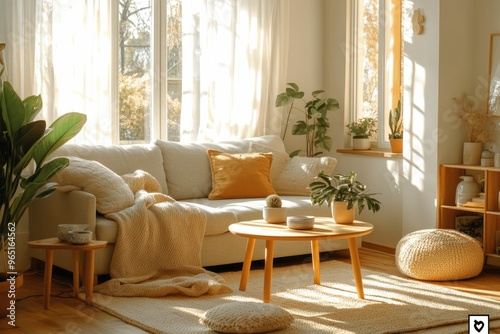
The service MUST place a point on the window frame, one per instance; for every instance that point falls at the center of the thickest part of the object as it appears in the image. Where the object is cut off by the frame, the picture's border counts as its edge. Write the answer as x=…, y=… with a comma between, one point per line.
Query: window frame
x=389, y=64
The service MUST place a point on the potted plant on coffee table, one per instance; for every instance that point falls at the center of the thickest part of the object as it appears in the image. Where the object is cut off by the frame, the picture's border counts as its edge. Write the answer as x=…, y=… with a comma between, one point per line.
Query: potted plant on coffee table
x=361, y=130
x=342, y=193
x=273, y=212
x=25, y=145
x=396, y=127
x=315, y=124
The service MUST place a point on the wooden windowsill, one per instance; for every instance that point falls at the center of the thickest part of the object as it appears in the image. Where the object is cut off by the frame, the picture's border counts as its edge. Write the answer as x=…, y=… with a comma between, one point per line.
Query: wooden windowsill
x=374, y=152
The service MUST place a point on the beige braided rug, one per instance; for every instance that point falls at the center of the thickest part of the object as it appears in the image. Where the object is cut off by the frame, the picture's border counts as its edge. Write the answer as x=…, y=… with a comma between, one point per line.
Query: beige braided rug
x=391, y=305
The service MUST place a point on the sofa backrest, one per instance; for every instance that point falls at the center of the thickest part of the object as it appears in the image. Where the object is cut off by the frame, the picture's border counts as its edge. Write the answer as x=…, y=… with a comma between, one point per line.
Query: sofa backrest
x=121, y=159
x=187, y=167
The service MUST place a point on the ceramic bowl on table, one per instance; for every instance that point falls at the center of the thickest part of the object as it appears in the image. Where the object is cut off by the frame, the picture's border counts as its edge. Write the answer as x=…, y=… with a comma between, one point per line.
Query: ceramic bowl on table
x=79, y=237
x=300, y=222
x=64, y=229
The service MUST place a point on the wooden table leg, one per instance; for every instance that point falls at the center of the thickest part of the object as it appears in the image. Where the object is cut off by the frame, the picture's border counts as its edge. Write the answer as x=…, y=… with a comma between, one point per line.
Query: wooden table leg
x=356, y=267
x=268, y=270
x=89, y=276
x=245, y=272
x=315, y=261
x=76, y=272
x=47, y=279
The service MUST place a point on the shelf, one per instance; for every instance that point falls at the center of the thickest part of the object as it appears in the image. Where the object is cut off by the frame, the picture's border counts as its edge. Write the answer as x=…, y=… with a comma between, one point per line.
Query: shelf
x=469, y=167
x=449, y=178
x=496, y=213
x=374, y=152
x=464, y=208
x=493, y=260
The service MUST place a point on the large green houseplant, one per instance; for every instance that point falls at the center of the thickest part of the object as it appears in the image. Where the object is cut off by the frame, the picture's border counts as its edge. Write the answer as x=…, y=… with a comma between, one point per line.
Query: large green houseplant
x=26, y=142
x=344, y=190
x=315, y=124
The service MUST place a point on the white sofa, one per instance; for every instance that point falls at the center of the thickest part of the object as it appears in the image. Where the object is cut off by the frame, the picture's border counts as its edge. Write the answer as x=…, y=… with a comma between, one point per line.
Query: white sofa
x=184, y=173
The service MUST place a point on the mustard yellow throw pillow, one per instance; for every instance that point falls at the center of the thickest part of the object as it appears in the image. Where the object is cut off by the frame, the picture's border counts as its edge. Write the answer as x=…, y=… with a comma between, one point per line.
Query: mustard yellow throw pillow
x=244, y=175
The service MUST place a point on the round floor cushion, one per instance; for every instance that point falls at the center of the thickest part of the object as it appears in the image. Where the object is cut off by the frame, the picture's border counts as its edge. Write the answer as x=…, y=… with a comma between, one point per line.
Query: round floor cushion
x=439, y=255
x=246, y=317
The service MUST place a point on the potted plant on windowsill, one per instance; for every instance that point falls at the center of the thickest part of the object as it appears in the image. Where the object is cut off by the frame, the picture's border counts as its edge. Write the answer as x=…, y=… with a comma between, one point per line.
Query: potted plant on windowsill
x=396, y=127
x=315, y=124
x=25, y=144
x=342, y=193
x=361, y=130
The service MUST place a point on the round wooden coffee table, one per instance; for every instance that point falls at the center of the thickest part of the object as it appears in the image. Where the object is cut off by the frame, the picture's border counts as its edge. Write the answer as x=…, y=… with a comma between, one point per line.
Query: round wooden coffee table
x=324, y=229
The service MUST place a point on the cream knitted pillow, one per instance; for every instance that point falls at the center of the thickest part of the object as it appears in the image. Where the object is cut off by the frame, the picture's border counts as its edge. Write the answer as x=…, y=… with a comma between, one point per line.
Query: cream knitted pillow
x=246, y=317
x=111, y=192
x=299, y=172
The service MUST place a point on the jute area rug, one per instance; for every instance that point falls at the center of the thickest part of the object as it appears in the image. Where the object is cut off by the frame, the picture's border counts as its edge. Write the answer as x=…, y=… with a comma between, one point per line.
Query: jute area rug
x=391, y=305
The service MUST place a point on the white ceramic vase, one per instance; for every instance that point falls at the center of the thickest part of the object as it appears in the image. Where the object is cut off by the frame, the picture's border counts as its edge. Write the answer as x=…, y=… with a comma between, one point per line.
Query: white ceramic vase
x=472, y=153
x=466, y=190
x=340, y=213
x=274, y=215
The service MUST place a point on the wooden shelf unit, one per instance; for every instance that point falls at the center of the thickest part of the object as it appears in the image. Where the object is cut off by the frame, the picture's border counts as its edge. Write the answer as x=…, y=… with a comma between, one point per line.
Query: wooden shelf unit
x=449, y=177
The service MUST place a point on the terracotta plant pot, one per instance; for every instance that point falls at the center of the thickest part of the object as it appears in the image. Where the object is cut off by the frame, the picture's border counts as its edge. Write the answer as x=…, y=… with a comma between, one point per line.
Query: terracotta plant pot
x=274, y=215
x=396, y=145
x=340, y=213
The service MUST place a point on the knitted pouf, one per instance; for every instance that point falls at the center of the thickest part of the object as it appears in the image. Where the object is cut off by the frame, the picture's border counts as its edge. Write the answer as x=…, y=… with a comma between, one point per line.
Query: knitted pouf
x=246, y=317
x=439, y=255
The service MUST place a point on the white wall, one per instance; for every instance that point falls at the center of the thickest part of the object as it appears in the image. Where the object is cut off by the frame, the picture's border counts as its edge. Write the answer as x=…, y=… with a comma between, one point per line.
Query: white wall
x=317, y=61
x=448, y=59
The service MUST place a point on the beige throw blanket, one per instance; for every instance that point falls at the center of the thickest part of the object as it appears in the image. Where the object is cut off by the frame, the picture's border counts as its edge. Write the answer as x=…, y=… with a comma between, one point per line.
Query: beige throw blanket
x=158, y=248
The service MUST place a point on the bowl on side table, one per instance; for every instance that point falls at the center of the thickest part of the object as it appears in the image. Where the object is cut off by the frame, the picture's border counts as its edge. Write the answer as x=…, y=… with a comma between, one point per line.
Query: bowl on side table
x=64, y=229
x=79, y=237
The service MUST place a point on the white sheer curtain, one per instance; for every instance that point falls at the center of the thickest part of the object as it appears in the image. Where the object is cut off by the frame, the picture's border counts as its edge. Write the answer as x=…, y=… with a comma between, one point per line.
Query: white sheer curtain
x=235, y=70
x=61, y=49
x=235, y=58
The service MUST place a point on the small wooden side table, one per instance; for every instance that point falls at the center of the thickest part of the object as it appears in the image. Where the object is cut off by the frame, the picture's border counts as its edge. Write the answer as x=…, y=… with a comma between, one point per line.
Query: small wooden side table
x=52, y=244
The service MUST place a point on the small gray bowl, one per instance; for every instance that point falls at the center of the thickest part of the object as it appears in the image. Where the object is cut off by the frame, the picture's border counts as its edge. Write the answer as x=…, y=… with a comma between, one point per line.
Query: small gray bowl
x=79, y=237
x=63, y=230
x=300, y=222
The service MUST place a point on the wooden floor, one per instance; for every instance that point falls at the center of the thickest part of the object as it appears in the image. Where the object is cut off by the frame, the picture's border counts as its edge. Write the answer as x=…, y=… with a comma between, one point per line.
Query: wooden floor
x=69, y=315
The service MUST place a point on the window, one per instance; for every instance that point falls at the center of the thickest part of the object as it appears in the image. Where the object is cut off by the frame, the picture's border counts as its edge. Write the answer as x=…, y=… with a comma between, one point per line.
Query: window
x=376, y=62
x=149, y=74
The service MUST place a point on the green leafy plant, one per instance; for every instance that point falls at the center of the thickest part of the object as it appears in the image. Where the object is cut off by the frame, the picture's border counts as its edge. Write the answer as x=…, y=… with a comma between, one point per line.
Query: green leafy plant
x=396, y=122
x=342, y=188
x=25, y=142
x=315, y=124
x=363, y=127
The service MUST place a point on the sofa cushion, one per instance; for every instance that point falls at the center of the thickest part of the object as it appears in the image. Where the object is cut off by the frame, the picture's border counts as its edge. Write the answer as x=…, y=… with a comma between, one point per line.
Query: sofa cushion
x=299, y=172
x=187, y=168
x=110, y=190
x=240, y=175
x=106, y=229
x=218, y=221
x=251, y=208
x=121, y=159
x=280, y=158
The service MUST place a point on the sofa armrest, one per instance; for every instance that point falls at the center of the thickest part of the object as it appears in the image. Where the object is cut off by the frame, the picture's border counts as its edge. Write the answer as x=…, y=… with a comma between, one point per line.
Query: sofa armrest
x=74, y=207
